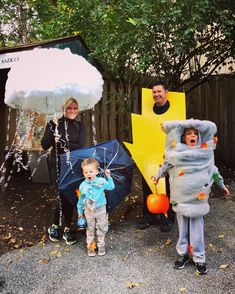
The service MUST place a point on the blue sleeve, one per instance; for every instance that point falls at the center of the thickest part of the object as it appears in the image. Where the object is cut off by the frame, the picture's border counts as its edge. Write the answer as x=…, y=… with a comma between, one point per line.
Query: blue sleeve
x=79, y=205
x=163, y=169
x=218, y=179
x=109, y=184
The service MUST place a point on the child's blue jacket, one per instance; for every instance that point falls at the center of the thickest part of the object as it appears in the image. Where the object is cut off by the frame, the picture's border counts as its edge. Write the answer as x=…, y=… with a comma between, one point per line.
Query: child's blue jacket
x=94, y=191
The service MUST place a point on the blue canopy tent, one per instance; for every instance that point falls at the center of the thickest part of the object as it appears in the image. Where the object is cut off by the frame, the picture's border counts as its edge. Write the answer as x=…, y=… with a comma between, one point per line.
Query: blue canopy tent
x=111, y=155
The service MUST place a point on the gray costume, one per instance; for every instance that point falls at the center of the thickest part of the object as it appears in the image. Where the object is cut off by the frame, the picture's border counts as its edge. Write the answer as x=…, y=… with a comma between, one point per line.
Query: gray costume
x=192, y=173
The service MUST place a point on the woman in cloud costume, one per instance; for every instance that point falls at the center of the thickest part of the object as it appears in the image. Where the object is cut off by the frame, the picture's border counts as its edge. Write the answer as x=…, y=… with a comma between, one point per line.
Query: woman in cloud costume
x=189, y=161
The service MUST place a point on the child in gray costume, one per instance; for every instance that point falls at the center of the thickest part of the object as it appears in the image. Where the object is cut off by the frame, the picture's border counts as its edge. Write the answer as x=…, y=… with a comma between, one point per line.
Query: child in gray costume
x=189, y=161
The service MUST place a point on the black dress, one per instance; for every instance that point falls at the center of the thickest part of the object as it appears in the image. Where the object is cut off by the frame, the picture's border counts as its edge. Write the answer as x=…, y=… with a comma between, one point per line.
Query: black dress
x=73, y=136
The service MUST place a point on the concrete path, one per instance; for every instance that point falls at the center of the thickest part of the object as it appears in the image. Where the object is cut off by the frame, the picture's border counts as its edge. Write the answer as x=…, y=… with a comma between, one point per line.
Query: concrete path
x=136, y=262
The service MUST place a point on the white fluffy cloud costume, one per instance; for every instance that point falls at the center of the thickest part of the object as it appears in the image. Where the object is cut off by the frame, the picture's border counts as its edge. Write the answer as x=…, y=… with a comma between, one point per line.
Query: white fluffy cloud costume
x=191, y=169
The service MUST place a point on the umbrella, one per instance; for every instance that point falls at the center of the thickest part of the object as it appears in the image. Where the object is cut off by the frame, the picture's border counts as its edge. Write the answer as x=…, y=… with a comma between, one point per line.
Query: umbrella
x=111, y=155
x=45, y=77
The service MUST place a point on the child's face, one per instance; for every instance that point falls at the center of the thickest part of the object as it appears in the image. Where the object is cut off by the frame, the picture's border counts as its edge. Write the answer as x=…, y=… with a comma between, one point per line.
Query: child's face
x=90, y=171
x=191, y=137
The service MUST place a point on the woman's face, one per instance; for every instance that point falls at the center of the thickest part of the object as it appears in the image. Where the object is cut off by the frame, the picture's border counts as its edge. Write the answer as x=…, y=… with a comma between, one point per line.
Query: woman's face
x=71, y=111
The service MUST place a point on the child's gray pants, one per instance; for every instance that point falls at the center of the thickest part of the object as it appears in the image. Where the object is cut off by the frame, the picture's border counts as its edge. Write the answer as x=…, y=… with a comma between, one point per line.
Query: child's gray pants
x=191, y=232
x=97, y=221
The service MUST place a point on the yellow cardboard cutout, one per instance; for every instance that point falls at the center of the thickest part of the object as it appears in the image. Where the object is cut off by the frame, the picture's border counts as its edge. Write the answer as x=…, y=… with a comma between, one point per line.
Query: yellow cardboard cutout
x=148, y=145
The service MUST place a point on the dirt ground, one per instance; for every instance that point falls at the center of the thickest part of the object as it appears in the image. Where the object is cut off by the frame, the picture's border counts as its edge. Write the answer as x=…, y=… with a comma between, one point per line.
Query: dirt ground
x=26, y=209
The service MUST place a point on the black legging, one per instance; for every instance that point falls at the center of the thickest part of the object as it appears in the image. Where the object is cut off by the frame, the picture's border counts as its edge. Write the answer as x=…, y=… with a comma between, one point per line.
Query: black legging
x=67, y=211
x=149, y=217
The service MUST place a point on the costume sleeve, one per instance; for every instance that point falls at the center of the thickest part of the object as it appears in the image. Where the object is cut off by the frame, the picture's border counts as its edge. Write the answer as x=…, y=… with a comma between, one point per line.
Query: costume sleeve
x=109, y=184
x=218, y=179
x=48, y=138
x=162, y=172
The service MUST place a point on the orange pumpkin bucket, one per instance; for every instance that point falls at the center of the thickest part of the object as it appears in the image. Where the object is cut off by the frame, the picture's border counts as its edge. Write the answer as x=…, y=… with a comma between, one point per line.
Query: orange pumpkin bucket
x=158, y=203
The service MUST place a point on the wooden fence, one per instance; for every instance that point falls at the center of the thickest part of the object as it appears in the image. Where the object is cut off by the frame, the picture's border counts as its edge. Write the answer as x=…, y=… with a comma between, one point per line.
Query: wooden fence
x=113, y=114
x=213, y=100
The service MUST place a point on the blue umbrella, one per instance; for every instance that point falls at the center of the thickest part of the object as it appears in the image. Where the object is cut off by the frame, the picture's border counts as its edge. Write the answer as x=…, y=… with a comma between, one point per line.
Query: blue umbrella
x=111, y=155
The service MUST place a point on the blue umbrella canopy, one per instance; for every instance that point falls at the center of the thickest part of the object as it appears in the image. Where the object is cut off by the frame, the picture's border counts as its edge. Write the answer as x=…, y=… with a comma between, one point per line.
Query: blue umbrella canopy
x=111, y=155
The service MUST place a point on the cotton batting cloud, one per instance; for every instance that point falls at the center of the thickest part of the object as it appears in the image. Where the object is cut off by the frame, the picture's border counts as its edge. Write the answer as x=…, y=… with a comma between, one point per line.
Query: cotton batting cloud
x=44, y=78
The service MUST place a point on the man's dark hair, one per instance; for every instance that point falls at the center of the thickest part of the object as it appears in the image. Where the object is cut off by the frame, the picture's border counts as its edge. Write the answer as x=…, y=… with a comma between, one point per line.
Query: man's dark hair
x=161, y=83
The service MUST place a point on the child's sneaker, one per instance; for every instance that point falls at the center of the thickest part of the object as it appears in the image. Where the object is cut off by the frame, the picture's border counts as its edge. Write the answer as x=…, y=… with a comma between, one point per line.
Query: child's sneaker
x=67, y=236
x=53, y=232
x=101, y=251
x=201, y=268
x=182, y=261
x=90, y=252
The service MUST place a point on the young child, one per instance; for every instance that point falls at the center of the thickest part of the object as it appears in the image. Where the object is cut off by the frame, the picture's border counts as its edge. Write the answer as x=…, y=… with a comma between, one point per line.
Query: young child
x=93, y=202
x=189, y=161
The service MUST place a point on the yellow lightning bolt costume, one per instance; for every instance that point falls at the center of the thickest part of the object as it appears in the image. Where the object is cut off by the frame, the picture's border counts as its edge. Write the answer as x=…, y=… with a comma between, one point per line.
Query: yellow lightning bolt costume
x=148, y=145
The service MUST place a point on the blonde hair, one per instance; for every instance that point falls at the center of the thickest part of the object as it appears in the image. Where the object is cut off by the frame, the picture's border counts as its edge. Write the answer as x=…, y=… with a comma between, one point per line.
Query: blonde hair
x=68, y=102
x=89, y=161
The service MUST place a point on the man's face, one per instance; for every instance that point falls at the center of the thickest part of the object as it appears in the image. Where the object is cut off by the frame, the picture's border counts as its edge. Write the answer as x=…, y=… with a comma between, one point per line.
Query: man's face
x=159, y=95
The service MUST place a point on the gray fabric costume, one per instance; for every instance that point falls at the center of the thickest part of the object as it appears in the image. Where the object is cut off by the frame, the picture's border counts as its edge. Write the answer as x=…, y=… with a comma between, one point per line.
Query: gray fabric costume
x=192, y=173
x=191, y=169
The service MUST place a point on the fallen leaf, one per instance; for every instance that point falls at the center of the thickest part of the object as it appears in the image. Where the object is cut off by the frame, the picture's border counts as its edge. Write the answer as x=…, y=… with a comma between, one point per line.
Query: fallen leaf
x=21, y=250
x=92, y=246
x=59, y=254
x=131, y=285
x=67, y=250
x=212, y=247
x=44, y=261
x=125, y=258
x=7, y=237
x=168, y=242
x=53, y=252
x=221, y=236
x=183, y=289
x=223, y=266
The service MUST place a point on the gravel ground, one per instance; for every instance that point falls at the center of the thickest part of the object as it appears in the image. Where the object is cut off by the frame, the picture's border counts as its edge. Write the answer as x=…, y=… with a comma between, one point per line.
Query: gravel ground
x=136, y=261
